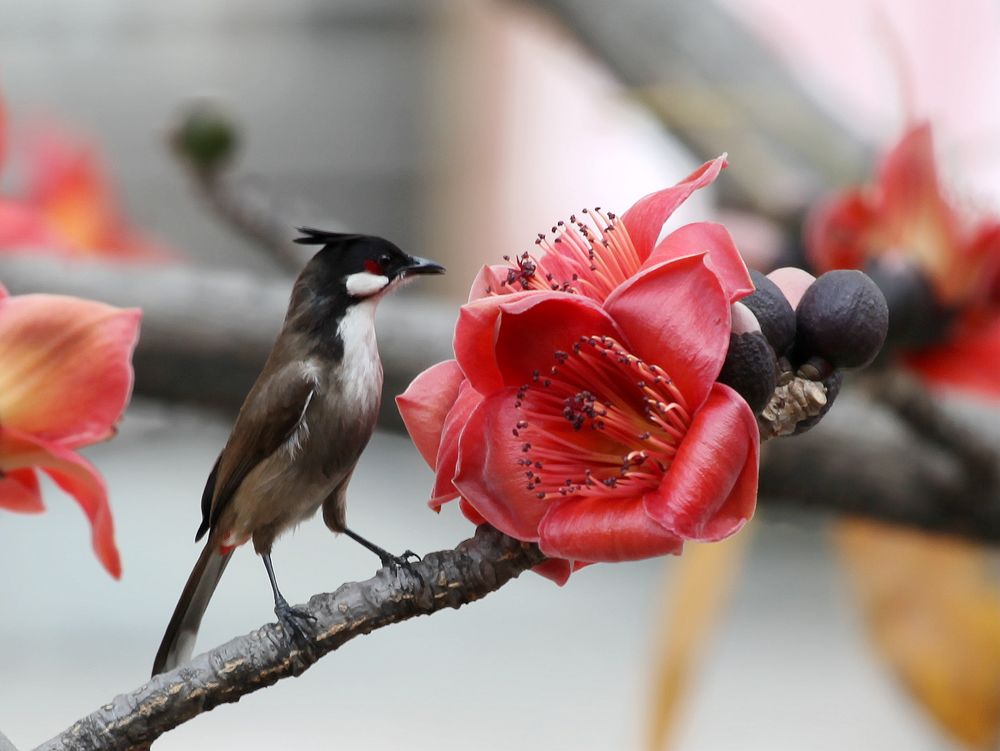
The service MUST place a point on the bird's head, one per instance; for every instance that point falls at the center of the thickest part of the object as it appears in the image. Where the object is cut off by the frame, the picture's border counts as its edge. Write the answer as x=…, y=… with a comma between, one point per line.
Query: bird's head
x=359, y=266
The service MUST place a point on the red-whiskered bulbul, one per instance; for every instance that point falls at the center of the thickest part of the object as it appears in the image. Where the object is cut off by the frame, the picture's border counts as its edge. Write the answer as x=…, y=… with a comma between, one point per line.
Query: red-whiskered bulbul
x=302, y=427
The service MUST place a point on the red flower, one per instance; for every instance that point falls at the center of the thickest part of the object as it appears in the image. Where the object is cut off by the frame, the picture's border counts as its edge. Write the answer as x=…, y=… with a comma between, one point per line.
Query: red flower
x=905, y=217
x=591, y=423
x=65, y=378
x=69, y=205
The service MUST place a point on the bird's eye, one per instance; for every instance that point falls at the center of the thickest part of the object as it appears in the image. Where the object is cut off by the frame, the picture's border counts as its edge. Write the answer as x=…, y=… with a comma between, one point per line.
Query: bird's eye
x=384, y=260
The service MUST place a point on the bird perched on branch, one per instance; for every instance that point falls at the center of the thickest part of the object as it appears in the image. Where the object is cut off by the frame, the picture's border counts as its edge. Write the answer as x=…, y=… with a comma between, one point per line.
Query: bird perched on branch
x=302, y=427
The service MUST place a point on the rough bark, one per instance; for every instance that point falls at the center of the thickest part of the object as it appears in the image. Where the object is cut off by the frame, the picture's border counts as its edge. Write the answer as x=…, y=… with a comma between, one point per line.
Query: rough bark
x=446, y=579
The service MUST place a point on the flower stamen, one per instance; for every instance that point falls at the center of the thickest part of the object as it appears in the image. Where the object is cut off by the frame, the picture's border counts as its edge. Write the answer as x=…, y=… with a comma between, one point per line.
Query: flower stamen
x=589, y=257
x=600, y=421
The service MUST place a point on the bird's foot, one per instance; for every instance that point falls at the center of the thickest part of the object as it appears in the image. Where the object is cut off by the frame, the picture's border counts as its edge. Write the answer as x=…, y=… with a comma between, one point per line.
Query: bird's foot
x=291, y=619
x=397, y=563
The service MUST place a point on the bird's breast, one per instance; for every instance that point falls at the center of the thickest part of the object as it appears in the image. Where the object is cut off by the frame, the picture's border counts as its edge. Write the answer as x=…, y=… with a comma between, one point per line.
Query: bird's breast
x=358, y=378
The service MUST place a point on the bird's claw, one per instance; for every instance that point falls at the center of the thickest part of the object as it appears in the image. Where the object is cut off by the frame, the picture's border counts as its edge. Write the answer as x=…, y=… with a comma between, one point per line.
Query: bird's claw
x=290, y=619
x=395, y=563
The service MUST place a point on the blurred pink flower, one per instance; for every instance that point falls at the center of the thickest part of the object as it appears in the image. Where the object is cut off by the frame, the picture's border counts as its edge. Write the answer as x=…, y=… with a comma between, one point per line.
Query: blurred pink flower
x=65, y=379
x=68, y=205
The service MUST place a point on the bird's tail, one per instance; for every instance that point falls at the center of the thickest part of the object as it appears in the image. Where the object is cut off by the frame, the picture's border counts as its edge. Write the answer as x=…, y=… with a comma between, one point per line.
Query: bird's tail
x=178, y=641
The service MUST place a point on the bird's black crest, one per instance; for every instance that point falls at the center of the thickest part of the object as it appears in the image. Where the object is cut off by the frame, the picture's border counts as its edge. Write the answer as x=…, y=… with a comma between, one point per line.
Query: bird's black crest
x=312, y=236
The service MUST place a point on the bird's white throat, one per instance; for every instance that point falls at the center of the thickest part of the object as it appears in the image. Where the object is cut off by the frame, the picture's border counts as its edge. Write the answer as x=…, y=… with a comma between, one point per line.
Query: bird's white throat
x=361, y=369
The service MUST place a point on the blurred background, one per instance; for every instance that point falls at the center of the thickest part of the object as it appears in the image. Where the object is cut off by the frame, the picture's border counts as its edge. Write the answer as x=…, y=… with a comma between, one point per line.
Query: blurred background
x=459, y=129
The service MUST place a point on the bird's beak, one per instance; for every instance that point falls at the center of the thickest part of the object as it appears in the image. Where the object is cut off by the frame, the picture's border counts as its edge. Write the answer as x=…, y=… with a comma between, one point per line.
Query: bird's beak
x=422, y=266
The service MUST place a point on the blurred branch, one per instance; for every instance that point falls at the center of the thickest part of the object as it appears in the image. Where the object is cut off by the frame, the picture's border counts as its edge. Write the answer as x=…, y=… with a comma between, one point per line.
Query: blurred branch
x=5, y=744
x=253, y=211
x=858, y=462
x=717, y=88
x=206, y=333
x=451, y=579
x=205, y=141
x=914, y=405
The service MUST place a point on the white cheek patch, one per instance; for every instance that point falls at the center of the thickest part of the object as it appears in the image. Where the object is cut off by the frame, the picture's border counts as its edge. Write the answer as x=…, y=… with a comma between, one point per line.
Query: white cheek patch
x=365, y=284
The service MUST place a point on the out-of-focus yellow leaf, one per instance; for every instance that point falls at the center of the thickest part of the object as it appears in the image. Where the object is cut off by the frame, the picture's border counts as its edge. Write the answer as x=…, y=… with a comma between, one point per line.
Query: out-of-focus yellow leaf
x=932, y=605
x=691, y=607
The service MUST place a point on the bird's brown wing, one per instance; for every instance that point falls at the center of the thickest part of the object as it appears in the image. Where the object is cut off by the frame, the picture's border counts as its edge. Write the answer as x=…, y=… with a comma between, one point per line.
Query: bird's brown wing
x=269, y=416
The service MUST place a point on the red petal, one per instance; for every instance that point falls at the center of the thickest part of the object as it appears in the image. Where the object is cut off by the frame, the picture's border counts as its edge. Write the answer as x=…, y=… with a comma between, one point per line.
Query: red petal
x=532, y=329
x=19, y=492
x=425, y=404
x=715, y=241
x=475, y=339
x=3, y=292
x=646, y=217
x=451, y=434
x=676, y=315
x=470, y=512
x=555, y=569
x=489, y=280
x=837, y=232
x=77, y=477
x=911, y=193
x=967, y=362
x=604, y=529
x=67, y=372
x=488, y=475
x=710, y=489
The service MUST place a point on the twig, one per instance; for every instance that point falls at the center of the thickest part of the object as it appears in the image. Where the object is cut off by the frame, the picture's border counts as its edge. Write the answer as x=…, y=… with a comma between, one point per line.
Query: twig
x=451, y=578
x=859, y=462
x=255, y=213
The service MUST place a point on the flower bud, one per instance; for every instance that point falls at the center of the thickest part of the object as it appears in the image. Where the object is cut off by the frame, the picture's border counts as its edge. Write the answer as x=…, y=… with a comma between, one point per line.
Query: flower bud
x=750, y=369
x=773, y=312
x=205, y=137
x=843, y=318
x=916, y=318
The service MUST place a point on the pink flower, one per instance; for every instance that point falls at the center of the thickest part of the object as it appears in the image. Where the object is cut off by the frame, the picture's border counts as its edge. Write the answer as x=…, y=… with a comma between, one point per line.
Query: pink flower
x=586, y=417
x=65, y=378
x=905, y=219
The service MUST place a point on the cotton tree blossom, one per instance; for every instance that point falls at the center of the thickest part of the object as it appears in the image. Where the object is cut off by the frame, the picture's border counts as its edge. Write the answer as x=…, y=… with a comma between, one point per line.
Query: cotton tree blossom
x=582, y=410
x=937, y=262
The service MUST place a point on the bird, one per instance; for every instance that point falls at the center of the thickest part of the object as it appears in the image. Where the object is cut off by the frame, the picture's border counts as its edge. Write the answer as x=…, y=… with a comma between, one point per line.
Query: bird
x=302, y=427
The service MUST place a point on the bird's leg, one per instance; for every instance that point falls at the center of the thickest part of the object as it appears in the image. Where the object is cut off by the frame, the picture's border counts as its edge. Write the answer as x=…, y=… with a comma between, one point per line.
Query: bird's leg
x=288, y=616
x=388, y=560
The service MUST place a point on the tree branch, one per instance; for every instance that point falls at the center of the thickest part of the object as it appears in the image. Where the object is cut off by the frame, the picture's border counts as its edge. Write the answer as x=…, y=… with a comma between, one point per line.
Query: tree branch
x=451, y=578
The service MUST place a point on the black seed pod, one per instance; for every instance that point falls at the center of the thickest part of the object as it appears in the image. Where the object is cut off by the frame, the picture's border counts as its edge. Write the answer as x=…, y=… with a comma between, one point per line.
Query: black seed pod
x=750, y=369
x=832, y=383
x=776, y=317
x=843, y=318
x=916, y=318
